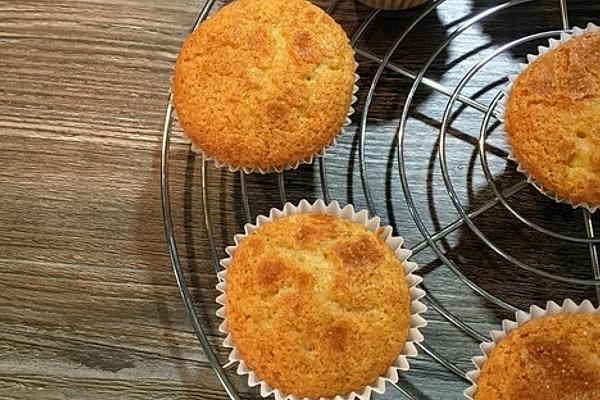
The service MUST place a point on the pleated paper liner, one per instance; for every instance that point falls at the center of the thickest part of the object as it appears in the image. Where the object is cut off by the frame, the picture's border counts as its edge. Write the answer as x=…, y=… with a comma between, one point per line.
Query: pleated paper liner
x=552, y=44
x=308, y=160
x=394, y=243
x=568, y=307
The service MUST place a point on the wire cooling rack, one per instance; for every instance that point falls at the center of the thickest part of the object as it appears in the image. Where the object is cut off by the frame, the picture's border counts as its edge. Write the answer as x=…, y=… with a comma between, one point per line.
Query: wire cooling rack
x=501, y=244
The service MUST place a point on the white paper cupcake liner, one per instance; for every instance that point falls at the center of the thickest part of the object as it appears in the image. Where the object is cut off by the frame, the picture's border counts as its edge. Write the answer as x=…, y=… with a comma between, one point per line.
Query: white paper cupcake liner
x=521, y=317
x=221, y=164
x=552, y=44
x=393, y=4
x=394, y=243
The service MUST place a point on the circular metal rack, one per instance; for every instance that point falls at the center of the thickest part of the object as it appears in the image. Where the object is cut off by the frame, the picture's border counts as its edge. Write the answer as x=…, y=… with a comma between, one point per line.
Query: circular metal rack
x=491, y=116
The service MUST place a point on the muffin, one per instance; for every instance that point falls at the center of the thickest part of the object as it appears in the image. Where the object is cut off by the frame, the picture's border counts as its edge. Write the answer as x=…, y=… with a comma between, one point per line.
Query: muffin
x=318, y=306
x=552, y=120
x=554, y=357
x=393, y=4
x=264, y=85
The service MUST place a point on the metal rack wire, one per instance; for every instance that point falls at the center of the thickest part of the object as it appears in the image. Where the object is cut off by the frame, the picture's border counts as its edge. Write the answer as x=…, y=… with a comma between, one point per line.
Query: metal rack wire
x=490, y=114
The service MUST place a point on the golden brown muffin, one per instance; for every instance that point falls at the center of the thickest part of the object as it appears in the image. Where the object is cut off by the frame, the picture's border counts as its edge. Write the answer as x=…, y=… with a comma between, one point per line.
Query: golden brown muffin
x=551, y=358
x=317, y=305
x=264, y=84
x=553, y=119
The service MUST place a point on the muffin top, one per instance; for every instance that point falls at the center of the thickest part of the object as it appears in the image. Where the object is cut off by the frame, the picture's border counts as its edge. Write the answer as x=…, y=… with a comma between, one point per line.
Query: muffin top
x=551, y=358
x=264, y=84
x=553, y=119
x=317, y=305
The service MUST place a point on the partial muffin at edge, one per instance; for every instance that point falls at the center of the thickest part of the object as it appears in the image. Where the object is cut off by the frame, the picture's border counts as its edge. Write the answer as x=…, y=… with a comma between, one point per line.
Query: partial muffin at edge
x=264, y=84
x=551, y=358
x=317, y=305
x=553, y=119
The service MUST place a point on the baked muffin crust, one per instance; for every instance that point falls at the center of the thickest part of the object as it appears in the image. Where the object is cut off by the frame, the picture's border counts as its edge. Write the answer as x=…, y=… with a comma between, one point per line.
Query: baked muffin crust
x=317, y=305
x=551, y=358
x=553, y=119
x=264, y=84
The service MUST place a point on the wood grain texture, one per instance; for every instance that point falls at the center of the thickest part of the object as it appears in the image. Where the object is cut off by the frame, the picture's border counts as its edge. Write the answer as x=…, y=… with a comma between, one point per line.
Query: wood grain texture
x=88, y=303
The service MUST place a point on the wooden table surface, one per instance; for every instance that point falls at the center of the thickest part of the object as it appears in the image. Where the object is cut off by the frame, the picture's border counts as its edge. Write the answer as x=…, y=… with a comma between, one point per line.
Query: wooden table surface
x=89, y=308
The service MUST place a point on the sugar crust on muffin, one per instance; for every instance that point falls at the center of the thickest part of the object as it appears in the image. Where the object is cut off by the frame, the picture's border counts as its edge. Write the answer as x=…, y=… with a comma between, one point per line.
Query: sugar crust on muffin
x=551, y=358
x=316, y=305
x=553, y=119
x=264, y=84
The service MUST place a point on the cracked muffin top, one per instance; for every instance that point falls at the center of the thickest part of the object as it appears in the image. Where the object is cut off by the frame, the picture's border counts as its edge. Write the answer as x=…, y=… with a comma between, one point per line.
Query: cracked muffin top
x=551, y=358
x=553, y=119
x=316, y=305
x=264, y=84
